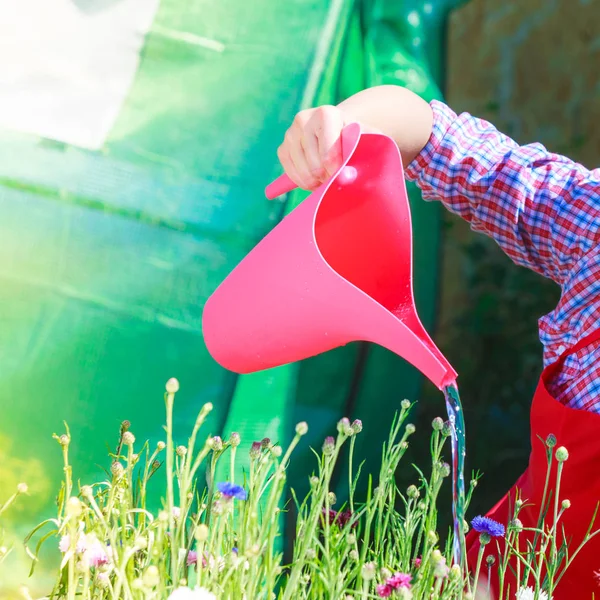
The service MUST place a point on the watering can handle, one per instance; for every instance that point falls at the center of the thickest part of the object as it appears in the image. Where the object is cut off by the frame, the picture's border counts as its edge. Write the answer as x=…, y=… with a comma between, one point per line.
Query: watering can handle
x=282, y=185
x=349, y=136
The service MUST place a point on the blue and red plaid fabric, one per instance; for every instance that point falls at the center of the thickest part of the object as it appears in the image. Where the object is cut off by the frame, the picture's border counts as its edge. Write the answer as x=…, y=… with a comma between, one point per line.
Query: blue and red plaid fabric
x=543, y=210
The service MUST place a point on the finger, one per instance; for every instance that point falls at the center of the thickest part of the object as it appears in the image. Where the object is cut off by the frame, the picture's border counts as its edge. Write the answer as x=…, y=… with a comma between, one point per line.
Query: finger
x=288, y=165
x=310, y=146
x=300, y=164
x=329, y=139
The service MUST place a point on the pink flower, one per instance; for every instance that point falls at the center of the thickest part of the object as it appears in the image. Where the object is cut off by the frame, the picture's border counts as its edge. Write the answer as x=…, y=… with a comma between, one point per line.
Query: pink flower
x=399, y=580
x=417, y=562
x=192, y=558
x=384, y=590
x=65, y=544
x=95, y=554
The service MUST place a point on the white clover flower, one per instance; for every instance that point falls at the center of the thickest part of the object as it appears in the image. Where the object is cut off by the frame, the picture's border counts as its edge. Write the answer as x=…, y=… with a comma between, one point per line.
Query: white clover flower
x=528, y=593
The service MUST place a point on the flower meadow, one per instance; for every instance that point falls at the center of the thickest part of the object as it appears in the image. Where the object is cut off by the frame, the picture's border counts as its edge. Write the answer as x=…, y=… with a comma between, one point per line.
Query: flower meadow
x=218, y=537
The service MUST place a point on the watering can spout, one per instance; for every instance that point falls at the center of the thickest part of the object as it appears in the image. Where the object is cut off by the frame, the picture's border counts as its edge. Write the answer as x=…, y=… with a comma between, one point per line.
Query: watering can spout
x=337, y=269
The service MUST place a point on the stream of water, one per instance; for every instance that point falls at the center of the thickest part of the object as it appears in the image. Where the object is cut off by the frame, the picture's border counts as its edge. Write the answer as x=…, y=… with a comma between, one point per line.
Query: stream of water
x=457, y=425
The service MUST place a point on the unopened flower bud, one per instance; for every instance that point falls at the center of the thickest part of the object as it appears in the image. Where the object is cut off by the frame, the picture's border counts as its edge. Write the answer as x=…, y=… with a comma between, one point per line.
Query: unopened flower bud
x=519, y=504
x=172, y=386
x=163, y=516
x=311, y=554
x=137, y=584
x=410, y=428
x=102, y=580
x=160, y=446
x=343, y=424
x=403, y=445
x=447, y=429
x=357, y=426
x=234, y=439
x=302, y=428
x=22, y=488
x=201, y=533
x=353, y=554
x=433, y=538
x=314, y=481
x=551, y=441
x=265, y=443
x=87, y=491
x=141, y=542
x=332, y=498
x=255, y=450
x=441, y=569
x=566, y=504
x=455, y=572
x=385, y=573
x=517, y=525
x=74, y=507
x=368, y=571
x=437, y=424
x=412, y=492
x=151, y=577
x=128, y=438
x=64, y=440
x=216, y=443
x=351, y=539
x=276, y=451
x=125, y=425
x=490, y=560
x=445, y=469
x=117, y=469
x=328, y=445
x=405, y=404
x=181, y=451
x=562, y=454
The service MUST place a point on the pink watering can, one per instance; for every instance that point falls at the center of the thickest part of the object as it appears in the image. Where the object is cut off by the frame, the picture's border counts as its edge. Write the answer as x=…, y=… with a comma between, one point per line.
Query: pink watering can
x=337, y=269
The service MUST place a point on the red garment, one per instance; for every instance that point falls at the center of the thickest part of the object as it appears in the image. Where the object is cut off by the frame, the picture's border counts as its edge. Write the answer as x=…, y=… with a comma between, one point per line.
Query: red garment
x=579, y=432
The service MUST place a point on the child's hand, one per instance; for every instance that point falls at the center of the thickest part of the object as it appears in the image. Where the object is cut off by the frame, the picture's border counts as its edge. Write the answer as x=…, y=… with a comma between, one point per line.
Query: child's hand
x=312, y=149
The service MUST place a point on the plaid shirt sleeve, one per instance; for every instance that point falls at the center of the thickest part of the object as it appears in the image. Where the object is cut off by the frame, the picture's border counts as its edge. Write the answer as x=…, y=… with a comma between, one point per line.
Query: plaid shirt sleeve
x=541, y=208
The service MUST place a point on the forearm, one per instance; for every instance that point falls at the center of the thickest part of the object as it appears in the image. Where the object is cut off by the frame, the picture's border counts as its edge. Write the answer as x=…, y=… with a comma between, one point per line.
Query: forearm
x=396, y=112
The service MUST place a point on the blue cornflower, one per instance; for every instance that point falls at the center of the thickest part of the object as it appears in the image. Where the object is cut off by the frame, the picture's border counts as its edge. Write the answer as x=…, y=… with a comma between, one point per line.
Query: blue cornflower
x=231, y=490
x=487, y=525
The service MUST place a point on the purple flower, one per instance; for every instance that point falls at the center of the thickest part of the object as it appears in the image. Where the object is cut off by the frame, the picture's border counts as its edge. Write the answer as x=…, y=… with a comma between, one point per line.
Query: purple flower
x=384, y=590
x=231, y=490
x=192, y=558
x=341, y=519
x=399, y=580
x=487, y=525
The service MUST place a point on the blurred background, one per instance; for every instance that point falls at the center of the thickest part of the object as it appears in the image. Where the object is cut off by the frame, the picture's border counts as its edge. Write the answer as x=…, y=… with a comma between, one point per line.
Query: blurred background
x=136, y=137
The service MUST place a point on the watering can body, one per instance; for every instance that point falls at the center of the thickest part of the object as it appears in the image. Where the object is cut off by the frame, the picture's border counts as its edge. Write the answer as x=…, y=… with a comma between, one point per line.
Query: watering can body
x=337, y=269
